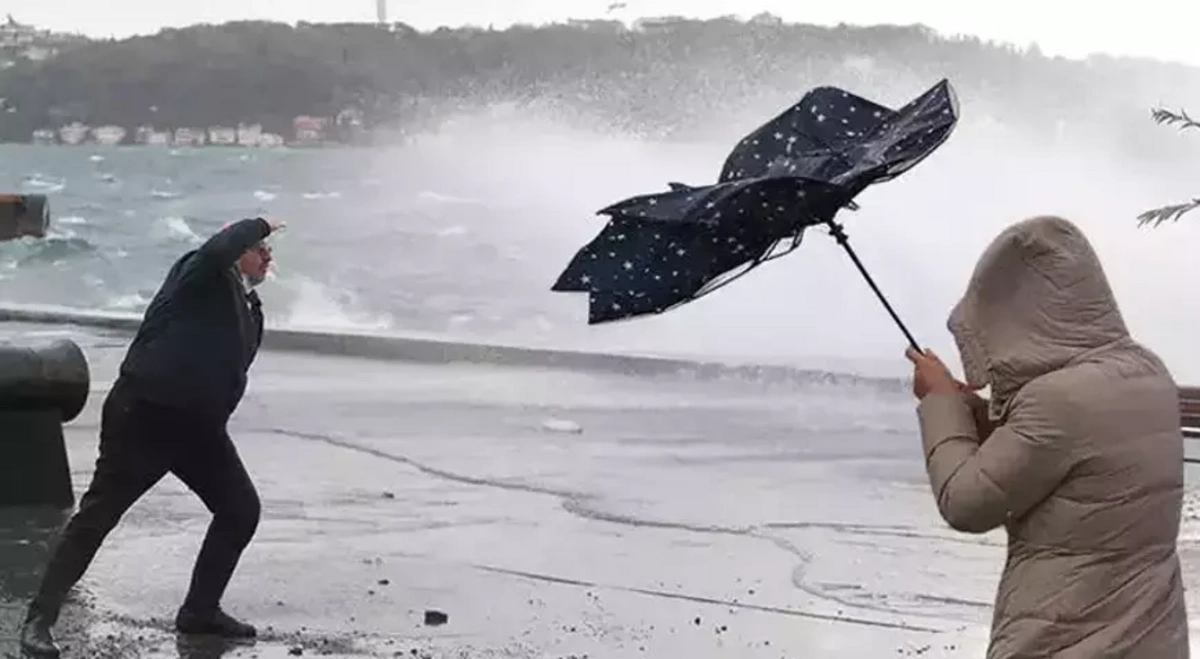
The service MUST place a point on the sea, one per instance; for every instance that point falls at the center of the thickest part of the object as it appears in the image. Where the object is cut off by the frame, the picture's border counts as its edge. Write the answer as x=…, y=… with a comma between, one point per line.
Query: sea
x=459, y=234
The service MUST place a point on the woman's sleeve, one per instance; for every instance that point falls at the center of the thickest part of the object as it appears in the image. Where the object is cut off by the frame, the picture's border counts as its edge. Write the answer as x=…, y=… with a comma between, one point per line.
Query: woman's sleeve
x=979, y=485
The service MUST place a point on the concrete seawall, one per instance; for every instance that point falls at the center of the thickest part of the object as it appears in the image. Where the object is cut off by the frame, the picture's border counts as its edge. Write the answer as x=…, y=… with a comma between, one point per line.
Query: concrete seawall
x=429, y=350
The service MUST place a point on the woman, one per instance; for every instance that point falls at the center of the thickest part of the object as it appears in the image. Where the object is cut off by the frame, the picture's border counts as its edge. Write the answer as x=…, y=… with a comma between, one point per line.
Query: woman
x=1078, y=453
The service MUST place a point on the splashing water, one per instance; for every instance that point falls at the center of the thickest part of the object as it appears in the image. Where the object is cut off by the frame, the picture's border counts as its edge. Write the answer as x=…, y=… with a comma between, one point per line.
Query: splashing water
x=421, y=238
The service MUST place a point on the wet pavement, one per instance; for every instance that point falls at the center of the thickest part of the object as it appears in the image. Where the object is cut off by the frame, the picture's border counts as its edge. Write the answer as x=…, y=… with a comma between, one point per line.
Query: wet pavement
x=547, y=513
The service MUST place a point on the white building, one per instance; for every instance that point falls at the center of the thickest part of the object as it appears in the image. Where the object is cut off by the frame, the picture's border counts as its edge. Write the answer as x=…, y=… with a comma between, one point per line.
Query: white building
x=222, y=136
x=766, y=18
x=309, y=130
x=45, y=136
x=108, y=135
x=73, y=133
x=249, y=135
x=657, y=23
x=270, y=141
x=16, y=35
x=147, y=135
x=189, y=137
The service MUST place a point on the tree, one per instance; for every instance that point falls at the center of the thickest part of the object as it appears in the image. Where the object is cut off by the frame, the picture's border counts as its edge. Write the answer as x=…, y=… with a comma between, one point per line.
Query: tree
x=667, y=79
x=1170, y=212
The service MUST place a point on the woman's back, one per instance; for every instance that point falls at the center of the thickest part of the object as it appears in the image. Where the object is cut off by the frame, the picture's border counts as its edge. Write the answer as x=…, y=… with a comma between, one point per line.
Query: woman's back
x=1092, y=570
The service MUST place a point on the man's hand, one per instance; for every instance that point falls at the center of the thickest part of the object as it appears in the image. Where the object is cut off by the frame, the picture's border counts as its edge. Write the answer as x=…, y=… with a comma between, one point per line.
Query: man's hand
x=930, y=375
x=275, y=223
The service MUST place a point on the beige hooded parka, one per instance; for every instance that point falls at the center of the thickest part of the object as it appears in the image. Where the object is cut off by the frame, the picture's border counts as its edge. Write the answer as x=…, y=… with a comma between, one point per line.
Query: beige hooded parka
x=1079, y=455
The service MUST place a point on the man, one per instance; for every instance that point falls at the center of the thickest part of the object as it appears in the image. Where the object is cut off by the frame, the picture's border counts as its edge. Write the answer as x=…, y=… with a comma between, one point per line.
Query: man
x=182, y=378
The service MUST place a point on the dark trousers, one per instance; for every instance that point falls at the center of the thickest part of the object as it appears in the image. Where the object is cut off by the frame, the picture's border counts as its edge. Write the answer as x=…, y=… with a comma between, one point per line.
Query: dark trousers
x=139, y=444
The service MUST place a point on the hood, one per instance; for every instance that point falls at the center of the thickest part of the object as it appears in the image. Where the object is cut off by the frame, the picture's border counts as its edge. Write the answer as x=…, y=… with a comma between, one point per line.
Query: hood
x=1038, y=299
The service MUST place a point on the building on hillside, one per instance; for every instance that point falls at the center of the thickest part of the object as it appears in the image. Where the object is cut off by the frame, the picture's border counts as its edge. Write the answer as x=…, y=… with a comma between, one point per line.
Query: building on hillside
x=141, y=134
x=596, y=25
x=73, y=133
x=350, y=118
x=248, y=135
x=222, y=136
x=657, y=23
x=17, y=36
x=766, y=18
x=109, y=135
x=270, y=141
x=19, y=41
x=45, y=136
x=309, y=130
x=189, y=137
x=159, y=138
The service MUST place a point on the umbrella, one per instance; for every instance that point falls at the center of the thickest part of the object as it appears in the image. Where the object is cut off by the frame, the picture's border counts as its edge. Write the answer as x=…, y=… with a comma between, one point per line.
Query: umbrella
x=798, y=170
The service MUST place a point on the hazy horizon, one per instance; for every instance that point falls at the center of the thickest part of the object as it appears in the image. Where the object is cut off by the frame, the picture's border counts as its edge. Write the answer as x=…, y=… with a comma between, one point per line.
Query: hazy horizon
x=1153, y=32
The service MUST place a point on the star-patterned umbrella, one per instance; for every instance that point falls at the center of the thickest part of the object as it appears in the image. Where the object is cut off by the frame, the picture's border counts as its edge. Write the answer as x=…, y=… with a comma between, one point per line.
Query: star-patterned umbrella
x=797, y=170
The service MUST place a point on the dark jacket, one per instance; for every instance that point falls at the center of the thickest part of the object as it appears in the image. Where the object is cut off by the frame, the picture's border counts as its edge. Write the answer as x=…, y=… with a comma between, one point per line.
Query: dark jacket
x=201, y=331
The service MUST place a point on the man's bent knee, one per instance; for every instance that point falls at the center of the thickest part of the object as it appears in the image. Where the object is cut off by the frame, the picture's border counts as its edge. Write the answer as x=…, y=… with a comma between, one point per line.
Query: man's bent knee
x=241, y=522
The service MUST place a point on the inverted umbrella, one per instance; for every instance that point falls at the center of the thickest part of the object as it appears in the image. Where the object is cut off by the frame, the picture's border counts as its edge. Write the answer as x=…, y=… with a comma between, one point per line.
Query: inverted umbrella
x=798, y=170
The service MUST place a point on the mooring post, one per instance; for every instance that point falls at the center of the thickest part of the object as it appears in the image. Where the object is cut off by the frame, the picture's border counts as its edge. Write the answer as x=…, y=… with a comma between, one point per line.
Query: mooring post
x=24, y=215
x=41, y=388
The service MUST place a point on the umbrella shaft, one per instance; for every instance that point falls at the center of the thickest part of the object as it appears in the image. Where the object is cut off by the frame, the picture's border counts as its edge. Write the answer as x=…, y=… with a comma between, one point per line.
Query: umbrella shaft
x=839, y=235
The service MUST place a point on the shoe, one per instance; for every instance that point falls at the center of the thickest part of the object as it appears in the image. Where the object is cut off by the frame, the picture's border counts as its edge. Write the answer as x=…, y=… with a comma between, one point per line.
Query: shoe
x=36, y=639
x=216, y=623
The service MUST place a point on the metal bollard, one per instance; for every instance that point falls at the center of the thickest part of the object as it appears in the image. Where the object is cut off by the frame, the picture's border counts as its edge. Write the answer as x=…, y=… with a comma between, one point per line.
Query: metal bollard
x=41, y=388
x=24, y=215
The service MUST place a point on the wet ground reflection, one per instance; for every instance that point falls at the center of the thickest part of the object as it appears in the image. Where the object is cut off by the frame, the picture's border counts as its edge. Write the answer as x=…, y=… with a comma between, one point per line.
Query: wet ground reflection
x=26, y=538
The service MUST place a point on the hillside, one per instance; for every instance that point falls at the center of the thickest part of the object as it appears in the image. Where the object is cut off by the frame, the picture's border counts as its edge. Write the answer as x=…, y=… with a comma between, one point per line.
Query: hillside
x=661, y=78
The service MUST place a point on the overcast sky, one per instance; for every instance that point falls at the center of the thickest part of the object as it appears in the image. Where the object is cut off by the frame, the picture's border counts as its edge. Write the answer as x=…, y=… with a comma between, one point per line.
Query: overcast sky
x=1164, y=29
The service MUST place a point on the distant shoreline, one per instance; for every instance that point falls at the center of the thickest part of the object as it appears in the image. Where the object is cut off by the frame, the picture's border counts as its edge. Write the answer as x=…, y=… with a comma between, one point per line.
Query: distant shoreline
x=307, y=85
x=231, y=147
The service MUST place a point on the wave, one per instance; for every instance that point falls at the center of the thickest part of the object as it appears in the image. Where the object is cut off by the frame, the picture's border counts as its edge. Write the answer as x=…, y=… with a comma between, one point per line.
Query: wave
x=316, y=307
x=429, y=196
x=59, y=245
x=130, y=302
x=439, y=350
x=43, y=185
x=177, y=228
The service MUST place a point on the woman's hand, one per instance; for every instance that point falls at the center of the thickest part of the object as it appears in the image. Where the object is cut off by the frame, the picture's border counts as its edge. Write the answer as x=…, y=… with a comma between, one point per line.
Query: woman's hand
x=930, y=375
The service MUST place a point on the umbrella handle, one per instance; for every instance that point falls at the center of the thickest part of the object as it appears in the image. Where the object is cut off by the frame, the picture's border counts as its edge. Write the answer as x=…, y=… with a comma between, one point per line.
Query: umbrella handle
x=839, y=234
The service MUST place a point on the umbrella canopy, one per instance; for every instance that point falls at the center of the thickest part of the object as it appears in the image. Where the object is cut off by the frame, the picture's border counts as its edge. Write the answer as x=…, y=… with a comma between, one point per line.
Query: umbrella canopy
x=797, y=170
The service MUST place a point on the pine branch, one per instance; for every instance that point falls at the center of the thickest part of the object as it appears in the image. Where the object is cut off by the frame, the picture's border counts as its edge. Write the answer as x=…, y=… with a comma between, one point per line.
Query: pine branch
x=1166, y=117
x=1169, y=213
